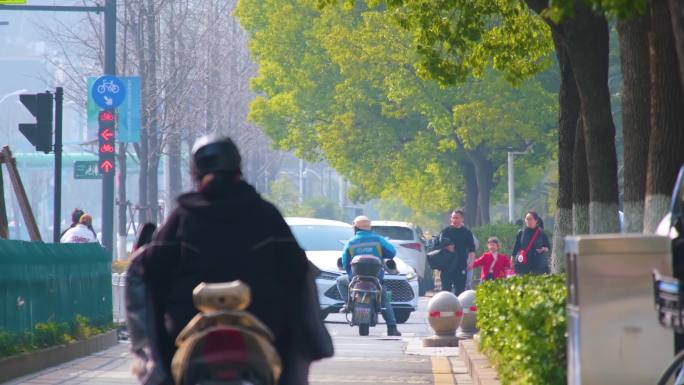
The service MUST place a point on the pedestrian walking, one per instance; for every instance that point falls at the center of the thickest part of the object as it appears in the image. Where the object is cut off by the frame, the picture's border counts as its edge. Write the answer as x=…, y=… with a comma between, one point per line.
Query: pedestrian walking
x=531, y=244
x=82, y=232
x=494, y=264
x=460, y=252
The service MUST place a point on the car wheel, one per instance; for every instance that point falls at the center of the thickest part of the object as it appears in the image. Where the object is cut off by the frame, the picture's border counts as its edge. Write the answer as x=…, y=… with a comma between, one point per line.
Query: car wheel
x=402, y=315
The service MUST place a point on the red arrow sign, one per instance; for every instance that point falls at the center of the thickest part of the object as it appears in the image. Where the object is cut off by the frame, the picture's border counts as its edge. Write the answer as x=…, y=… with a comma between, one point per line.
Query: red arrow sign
x=106, y=166
x=107, y=134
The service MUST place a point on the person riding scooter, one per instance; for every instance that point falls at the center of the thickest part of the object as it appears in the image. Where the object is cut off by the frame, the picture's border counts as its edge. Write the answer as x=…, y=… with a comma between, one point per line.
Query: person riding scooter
x=223, y=232
x=366, y=242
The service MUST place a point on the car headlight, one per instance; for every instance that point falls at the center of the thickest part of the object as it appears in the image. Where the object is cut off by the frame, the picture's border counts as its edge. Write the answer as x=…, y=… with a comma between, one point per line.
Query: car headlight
x=411, y=276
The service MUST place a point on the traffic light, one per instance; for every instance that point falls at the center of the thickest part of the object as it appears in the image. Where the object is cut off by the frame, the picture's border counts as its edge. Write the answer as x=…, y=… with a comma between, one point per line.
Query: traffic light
x=39, y=133
x=106, y=146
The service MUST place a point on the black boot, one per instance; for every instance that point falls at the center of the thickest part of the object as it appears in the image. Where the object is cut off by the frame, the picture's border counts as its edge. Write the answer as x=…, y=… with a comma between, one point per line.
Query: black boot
x=392, y=331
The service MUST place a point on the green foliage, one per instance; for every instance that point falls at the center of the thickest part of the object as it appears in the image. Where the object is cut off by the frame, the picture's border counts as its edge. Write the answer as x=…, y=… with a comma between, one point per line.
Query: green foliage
x=47, y=334
x=506, y=233
x=50, y=334
x=344, y=83
x=623, y=9
x=84, y=329
x=522, y=324
x=285, y=196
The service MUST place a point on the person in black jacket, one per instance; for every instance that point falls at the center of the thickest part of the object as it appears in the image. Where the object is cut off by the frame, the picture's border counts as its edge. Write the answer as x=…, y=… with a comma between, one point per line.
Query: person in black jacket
x=462, y=252
x=223, y=232
x=534, y=261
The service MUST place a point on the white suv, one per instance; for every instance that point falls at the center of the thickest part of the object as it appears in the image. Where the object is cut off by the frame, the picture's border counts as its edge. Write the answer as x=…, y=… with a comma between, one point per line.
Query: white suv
x=323, y=240
x=408, y=240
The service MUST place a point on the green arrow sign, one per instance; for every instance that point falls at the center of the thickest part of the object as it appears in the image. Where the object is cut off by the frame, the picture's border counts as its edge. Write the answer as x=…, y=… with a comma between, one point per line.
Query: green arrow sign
x=86, y=170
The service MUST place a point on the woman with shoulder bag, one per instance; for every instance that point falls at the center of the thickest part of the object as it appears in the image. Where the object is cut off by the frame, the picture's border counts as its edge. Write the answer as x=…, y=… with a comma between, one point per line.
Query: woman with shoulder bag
x=530, y=246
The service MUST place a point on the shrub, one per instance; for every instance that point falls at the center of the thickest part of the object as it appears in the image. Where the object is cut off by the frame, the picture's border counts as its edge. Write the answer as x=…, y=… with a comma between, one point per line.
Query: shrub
x=506, y=233
x=522, y=323
x=47, y=334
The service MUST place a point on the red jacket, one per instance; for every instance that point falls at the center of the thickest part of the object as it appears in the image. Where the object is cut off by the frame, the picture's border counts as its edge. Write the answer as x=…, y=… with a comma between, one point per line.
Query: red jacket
x=502, y=263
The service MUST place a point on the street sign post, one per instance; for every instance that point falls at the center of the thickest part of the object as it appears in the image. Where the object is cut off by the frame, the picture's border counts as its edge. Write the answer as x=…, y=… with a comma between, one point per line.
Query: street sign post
x=86, y=169
x=108, y=92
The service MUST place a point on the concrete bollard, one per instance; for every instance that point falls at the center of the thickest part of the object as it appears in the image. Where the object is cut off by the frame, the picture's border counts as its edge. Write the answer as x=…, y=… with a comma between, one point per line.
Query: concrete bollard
x=468, y=325
x=444, y=315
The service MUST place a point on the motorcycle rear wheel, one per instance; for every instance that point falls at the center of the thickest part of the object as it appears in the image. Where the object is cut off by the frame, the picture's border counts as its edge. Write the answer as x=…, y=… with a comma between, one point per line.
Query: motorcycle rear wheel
x=364, y=329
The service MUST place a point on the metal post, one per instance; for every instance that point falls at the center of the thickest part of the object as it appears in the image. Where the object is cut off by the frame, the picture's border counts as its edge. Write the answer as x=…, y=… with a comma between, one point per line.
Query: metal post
x=301, y=182
x=57, y=219
x=108, y=178
x=511, y=188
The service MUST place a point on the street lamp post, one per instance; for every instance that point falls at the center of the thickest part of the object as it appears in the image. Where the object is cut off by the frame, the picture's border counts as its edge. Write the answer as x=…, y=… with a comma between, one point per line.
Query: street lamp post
x=511, y=184
x=17, y=92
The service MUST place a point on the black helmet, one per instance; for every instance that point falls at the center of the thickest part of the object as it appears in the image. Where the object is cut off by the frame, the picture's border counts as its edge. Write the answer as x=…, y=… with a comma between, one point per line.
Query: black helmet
x=214, y=154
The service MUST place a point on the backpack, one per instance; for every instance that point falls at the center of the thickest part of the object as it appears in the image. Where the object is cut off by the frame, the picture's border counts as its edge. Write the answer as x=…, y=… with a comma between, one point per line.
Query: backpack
x=440, y=258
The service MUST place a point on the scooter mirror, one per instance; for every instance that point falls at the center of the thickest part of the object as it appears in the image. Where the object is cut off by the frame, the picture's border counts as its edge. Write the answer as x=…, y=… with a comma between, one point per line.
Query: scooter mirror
x=339, y=263
x=391, y=266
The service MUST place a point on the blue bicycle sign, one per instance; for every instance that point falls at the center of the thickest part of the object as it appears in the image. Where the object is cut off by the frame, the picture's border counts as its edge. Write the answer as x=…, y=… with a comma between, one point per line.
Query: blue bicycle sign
x=108, y=92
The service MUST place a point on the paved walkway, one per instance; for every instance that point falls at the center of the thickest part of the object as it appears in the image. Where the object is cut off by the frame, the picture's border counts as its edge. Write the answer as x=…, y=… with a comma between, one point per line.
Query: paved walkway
x=376, y=359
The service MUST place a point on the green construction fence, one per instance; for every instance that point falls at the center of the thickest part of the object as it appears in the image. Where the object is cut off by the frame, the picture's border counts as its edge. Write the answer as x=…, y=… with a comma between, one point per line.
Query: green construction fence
x=42, y=282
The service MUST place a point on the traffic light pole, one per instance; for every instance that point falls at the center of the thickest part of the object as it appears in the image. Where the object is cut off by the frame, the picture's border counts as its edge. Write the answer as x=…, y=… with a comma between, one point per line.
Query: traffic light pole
x=109, y=69
x=108, y=177
x=57, y=220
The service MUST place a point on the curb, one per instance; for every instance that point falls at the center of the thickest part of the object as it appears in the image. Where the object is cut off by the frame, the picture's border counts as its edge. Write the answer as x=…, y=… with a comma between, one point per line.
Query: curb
x=21, y=365
x=478, y=365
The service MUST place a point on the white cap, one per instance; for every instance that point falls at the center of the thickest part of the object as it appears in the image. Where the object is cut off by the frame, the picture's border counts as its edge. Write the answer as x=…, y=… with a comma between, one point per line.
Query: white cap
x=362, y=222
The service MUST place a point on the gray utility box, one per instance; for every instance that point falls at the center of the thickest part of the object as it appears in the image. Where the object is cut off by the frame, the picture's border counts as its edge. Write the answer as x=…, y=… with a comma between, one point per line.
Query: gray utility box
x=613, y=332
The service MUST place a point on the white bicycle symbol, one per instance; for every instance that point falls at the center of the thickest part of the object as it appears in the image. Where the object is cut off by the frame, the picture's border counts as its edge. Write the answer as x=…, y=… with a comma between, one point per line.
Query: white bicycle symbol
x=108, y=85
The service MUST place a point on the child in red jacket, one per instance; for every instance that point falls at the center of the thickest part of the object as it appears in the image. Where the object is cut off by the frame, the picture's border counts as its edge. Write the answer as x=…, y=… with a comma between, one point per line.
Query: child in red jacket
x=494, y=264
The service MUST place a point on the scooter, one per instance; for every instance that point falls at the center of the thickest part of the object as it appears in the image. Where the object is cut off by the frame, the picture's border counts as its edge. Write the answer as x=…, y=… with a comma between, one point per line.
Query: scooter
x=365, y=291
x=224, y=344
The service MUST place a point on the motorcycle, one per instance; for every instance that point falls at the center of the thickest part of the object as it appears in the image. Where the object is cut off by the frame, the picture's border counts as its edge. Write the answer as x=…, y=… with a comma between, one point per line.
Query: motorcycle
x=365, y=291
x=224, y=344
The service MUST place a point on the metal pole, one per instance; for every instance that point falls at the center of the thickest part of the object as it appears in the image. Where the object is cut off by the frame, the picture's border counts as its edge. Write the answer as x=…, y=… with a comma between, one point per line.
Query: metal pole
x=108, y=178
x=301, y=181
x=57, y=219
x=511, y=189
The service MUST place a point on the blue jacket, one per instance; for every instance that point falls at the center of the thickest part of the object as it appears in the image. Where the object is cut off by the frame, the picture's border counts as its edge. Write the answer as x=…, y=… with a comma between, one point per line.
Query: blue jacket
x=366, y=243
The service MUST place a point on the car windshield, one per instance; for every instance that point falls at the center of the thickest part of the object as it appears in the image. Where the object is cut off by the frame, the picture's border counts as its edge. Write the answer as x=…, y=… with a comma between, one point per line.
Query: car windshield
x=312, y=237
x=394, y=232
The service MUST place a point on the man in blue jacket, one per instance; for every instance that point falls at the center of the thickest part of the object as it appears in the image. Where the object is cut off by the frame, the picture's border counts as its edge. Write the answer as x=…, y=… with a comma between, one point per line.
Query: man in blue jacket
x=366, y=242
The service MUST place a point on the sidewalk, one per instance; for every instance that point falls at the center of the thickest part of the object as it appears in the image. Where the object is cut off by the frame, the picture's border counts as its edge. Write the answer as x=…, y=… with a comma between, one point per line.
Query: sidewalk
x=110, y=367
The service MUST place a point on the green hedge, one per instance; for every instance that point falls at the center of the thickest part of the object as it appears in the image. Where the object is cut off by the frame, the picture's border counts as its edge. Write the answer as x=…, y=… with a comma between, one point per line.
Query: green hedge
x=504, y=231
x=522, y=322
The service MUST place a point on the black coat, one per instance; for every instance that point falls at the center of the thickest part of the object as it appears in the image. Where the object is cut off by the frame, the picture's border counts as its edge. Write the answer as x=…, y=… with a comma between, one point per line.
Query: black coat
x=536, y=263
x=464, y=243
x=233, y=234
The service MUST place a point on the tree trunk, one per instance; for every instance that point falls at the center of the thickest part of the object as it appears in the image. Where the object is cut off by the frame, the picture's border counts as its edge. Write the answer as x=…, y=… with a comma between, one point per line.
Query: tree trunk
x=121, y=203
x=484, y=173
x=677, y=16
x=580, y=183
x=568, y=100
x=636, y=116
x=175, y=186
x=586, y=36
x=153, y=132
x=667, y=123
x=470, y=184
x=142, y=149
